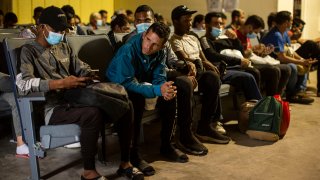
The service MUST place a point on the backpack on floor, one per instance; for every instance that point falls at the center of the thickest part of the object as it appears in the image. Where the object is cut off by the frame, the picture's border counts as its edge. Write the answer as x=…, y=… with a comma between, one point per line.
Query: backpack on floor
x=265, y=120
x=285, y=116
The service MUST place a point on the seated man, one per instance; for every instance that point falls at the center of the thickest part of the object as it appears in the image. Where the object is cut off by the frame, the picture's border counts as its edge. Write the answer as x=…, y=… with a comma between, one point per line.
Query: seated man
x=187, y=48
x=187, y=141
x=278, y=37
x=143, y=18
x=139, y=66
x=47, y=65
x=308, y=48
x=237, y=18
x=6, y=93
x=119, y=24
x=213, y=44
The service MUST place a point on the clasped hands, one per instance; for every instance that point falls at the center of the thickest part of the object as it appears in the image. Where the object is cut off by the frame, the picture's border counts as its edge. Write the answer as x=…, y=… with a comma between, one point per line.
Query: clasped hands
x=168, y=90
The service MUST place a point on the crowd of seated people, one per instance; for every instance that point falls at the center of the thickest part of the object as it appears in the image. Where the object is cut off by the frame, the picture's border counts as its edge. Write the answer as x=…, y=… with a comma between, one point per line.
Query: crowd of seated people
x=146, y=63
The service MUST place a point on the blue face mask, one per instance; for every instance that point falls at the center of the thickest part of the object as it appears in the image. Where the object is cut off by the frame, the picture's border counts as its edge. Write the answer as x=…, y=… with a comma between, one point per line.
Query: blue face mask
x=54, y=38
x=216, y=32
x=142, y=27
x=251, y=35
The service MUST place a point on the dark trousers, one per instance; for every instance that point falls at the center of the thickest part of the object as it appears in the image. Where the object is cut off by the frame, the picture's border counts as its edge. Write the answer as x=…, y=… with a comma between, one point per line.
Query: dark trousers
x=244, y=81
x=209, y=84
x=168, y=116
x=275, y=78
x=90, y=121
x=311, y=49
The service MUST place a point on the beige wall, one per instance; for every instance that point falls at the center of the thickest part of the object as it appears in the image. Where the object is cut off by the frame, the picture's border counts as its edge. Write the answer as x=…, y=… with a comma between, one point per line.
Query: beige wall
x=163, y=6
x=261, y=8
x=258, y=7
x=311, y=15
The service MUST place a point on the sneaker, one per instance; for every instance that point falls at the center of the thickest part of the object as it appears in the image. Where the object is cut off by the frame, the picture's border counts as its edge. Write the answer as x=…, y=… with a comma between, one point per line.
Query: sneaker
x=218, y=127
x=301, y=99
x=190, y=144
x=211, y=136
x=131, y=173
x=72, y=146
x=174, y=154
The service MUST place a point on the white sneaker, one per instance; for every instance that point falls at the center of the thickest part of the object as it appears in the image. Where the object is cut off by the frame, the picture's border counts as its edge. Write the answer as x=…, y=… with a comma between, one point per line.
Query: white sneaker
x=218, y=127
x=74, y=145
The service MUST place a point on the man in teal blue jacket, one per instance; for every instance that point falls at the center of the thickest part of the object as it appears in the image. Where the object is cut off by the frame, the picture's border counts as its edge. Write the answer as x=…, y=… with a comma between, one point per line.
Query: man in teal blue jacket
x=139, y=66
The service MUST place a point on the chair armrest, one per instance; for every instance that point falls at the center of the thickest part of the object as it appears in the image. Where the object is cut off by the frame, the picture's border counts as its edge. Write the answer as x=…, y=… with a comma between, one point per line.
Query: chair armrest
x=35, y=96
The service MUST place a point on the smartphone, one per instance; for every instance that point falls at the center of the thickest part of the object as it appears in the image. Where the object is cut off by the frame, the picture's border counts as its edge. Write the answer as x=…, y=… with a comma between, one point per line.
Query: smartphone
x=94, y=72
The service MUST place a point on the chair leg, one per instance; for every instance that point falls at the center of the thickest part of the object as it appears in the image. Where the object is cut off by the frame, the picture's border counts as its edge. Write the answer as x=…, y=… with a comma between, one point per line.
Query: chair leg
x=26, y=113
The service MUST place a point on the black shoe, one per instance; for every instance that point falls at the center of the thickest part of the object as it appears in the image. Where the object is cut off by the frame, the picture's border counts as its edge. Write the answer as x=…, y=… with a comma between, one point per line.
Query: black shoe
x=301, y=99
x=191, y=145
x=143, y=166
x=211, y=136
x=174, y=154
x=131, y=173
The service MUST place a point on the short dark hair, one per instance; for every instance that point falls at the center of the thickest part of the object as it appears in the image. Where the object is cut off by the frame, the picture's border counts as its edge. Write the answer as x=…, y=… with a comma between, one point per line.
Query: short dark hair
x=223, y=15
x=161, y=29
x=271, y=19
x=36, y=10
x=120, y=20
x=103, y=12
x=255, y=21
x=68, y=9
x=158, y=17
x=129, y=12
x=235, y=13
x=210, y=15
x=282, y=17
x=197, y=19
x=10, y=17
x=144, y=8
x=297, y=22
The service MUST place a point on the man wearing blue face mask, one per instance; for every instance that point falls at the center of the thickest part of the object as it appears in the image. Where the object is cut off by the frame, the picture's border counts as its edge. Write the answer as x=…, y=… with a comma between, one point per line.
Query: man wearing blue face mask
x=143, y=18
x=48, y=65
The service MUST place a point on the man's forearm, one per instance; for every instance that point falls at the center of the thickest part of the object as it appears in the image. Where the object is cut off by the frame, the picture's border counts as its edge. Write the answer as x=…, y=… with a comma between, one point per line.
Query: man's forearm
x=56, y=84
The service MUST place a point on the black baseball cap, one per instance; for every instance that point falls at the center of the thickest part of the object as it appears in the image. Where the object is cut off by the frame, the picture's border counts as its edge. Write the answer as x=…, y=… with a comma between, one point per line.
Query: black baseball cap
x=55, y=18
x=180, y=11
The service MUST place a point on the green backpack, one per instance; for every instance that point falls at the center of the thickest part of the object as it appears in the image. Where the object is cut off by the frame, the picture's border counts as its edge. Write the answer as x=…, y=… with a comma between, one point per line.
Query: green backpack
x=266, y=116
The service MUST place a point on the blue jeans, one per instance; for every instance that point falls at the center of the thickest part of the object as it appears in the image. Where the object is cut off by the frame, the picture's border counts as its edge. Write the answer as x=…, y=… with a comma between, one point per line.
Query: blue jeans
x=296, y=82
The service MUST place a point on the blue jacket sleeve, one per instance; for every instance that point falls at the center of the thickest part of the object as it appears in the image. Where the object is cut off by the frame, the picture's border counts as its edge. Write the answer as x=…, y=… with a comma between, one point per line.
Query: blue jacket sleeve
x=121, y=71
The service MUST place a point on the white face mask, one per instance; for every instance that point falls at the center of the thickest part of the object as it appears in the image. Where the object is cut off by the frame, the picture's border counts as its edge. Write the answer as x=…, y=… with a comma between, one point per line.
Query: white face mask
x=99, y=22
